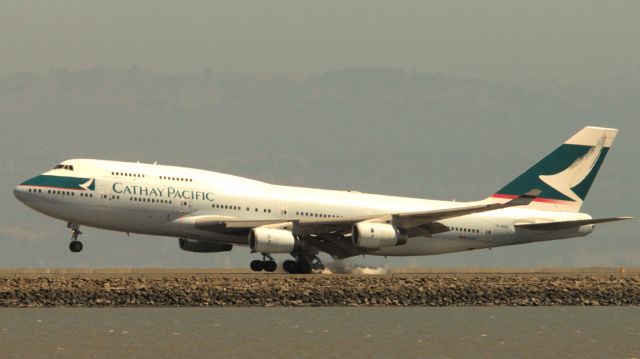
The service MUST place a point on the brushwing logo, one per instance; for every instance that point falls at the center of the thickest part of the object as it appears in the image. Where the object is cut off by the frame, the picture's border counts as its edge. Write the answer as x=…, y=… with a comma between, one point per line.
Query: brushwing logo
x=566, y=180
x=90, y=185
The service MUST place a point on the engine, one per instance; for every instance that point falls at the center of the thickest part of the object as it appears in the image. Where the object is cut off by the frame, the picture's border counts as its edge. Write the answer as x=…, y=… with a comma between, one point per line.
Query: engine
x=194, y=245
x=271, y=240
x=377, y=235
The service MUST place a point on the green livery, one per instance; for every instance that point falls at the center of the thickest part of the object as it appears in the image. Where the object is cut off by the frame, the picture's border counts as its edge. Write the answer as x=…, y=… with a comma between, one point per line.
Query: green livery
x=562, y=158
x=62, y=182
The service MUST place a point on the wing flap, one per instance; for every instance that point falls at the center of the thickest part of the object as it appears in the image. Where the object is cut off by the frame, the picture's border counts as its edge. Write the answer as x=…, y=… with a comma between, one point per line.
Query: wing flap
x=549, y=226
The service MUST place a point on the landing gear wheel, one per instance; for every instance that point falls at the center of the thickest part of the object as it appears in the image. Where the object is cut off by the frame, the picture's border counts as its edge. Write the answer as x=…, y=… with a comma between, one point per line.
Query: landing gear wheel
x=270, y=266
x=304, y=267
x=75, y=246
x=257, y=265
x=289, y=266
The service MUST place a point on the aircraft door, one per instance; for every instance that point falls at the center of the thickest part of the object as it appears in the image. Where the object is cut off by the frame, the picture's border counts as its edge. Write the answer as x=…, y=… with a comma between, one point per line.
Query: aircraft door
x=103, y=199
x=182, y=205
x=488, y=232
x=284, y=211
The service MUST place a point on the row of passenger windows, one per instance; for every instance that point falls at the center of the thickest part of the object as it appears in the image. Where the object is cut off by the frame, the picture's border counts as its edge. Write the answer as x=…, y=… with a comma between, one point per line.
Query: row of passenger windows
x=62, y=193
x=319, y=215
x=105, y=196
x=127, y=174
x=176, y=178
x=238, y=208
x=466, y=230
x=182, y=179
x=58, y=192
x=267, y=210
x=150, y=200
x=220, y=206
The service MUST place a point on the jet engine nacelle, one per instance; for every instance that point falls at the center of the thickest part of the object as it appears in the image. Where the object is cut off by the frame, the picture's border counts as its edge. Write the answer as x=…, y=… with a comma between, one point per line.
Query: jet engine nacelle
x=194, y=245
x=271, y=240
x=377, y=235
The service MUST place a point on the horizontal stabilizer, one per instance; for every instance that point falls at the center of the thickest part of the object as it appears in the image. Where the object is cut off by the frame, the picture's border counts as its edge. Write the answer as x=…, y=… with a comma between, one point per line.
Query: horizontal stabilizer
x=568, y=224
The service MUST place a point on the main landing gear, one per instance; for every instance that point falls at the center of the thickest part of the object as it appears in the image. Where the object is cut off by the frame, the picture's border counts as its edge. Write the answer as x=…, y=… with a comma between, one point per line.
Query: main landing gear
x=75, y=246
x=267, y=264
x=303, y=264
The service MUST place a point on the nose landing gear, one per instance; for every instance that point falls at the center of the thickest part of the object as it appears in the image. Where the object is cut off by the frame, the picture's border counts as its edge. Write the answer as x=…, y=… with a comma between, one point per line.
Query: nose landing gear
x=75, y=246
x=267, y=264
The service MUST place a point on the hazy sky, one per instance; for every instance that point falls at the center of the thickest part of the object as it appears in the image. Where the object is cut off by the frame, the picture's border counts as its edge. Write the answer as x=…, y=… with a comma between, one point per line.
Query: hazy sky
x=485, y=39
x=398, y=128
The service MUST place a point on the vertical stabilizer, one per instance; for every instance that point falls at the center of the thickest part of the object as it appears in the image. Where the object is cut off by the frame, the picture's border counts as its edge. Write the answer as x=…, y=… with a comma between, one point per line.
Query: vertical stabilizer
x=566, y=174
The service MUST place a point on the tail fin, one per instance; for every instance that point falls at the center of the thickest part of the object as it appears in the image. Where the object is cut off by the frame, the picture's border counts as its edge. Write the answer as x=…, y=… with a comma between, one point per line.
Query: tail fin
x=566, y=174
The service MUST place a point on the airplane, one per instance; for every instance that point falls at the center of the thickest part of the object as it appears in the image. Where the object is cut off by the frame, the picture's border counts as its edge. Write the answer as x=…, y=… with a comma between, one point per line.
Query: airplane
x=211, y=212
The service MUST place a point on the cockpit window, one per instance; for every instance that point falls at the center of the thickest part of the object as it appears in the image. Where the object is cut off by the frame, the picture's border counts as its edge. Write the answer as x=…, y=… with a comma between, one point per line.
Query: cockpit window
x=64, y=167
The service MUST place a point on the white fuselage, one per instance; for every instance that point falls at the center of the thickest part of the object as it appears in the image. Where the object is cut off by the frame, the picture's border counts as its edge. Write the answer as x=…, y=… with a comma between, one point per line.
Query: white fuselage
x=154, y=199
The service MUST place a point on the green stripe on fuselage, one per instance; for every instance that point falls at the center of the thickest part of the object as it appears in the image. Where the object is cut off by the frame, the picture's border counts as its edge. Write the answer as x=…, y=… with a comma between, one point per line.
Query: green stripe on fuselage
x=557, y=161
x=60, y=182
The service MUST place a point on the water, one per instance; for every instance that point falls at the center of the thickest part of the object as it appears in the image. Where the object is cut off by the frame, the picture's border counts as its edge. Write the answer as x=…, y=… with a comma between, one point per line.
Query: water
x=470, y=332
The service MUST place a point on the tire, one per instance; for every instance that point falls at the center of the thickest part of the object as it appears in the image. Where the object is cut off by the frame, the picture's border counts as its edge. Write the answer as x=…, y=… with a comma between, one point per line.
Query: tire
x=289, y=266
x=256, y=265
x=75, y=246
x=270, y=266
x=304, y=267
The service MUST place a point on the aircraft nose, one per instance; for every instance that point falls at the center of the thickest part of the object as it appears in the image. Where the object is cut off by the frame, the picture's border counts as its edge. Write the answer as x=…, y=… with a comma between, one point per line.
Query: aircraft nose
x=18, y=192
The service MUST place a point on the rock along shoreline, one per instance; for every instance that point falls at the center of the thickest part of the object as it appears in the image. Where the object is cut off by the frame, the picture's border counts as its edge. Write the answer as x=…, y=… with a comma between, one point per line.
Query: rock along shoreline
x=319, y=290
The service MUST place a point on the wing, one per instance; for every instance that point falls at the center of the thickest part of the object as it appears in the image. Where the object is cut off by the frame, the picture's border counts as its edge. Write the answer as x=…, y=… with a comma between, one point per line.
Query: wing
x=304, y=226
x=328, y=234
x=550, y=226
